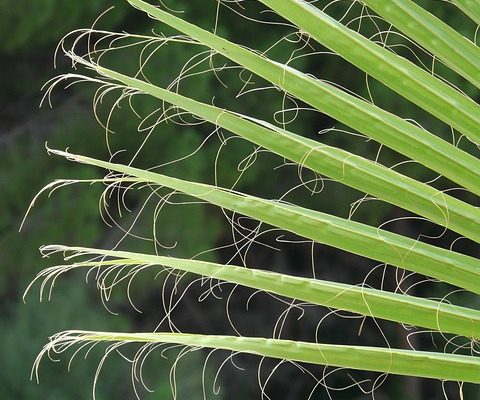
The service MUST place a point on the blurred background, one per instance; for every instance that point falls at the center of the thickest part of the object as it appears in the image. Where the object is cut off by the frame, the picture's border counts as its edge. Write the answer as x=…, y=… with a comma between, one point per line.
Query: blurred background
x=30, y=31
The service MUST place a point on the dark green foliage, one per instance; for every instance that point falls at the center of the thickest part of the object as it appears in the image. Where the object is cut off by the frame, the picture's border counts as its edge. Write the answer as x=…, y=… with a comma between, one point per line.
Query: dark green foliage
x=26, y=331
x=32, y=25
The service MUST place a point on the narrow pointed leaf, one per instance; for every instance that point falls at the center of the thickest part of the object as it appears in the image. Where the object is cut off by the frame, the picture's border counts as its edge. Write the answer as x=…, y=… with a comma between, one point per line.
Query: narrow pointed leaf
x=357, y=238
x=401, y=75
x=367, y=118
x=393, y=361
x=469, y=7
x=448, y=45
x=345, y=167
x=438, y=316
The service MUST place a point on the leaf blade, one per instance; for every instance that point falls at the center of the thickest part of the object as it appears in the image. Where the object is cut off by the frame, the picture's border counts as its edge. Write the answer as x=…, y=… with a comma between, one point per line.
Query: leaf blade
x=392, y=361
x=345, y=167
x=415, y=311
x=470, y=8
x=354, y=237
x=376, y=123
x=401, y=75
x=456, y=51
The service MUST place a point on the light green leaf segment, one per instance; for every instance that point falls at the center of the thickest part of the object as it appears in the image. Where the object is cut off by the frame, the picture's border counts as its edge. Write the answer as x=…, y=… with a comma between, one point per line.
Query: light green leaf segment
x=401, y=75
x=434, y=35
x=469, y=7
x=439, y=316
x=357, y=238
x=343, y=166
x=394, y=361
x=462, y=168
x=368, y=119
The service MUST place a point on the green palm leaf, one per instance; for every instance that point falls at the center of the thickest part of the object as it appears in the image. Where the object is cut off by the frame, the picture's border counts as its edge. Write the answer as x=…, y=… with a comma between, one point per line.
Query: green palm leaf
x=410, y=81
